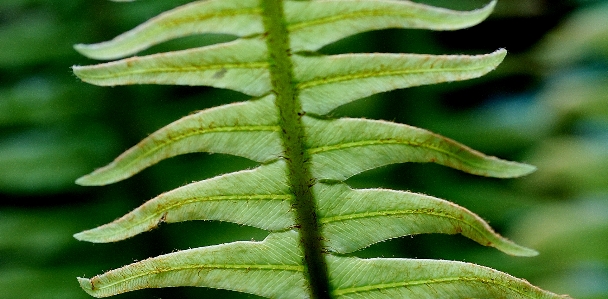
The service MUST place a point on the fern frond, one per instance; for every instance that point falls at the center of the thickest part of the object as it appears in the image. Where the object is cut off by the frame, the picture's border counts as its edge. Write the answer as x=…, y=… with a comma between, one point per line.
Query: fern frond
x=298, y=192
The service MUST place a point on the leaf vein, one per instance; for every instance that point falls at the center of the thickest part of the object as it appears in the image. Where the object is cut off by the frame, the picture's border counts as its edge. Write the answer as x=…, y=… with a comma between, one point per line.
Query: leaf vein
x=173, y=139
x=391, y=141
x=380, y=286
x=184, y=202
x=190, y=69
x=245, y=267
x=202, y=17
x=353, y=216
x=372, y=74
x=345, y=16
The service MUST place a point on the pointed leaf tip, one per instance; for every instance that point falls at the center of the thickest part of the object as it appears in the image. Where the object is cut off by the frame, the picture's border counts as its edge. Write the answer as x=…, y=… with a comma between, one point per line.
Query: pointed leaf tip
x=490, y=7
x=524, y=169
x=86, y=285
x=501, y=54
x=85, y=236
x=78, y=236
x=508, y=169
x=85, y=181
x=527, y=252
x=81, y=48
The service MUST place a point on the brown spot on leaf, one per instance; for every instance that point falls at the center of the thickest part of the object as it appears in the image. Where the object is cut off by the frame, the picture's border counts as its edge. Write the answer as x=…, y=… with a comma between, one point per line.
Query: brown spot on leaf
x=220, y=74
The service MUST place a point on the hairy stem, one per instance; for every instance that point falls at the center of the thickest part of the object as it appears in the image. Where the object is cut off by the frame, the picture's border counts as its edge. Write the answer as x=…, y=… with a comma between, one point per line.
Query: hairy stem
x=290, y=110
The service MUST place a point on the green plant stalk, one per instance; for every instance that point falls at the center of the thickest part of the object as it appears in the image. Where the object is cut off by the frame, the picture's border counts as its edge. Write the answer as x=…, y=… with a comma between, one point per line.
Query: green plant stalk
x=301, y=181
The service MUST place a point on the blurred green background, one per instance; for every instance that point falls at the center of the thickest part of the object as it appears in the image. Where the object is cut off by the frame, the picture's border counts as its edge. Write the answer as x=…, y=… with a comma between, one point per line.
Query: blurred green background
x=547, y=105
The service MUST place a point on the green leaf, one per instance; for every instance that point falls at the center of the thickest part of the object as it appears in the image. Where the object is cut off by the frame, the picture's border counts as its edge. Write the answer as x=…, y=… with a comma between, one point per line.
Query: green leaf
x=240, y=65
x=272, y=268
x=314, y=24
x=236, y=17
x=248, y=129
x=355, y=278
x=341, y=148
x=235, y=197
x=354, y=219
x=327, y=82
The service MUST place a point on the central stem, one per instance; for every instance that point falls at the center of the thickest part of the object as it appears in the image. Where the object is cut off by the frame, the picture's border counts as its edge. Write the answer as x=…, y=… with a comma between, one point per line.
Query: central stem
x=293, y=138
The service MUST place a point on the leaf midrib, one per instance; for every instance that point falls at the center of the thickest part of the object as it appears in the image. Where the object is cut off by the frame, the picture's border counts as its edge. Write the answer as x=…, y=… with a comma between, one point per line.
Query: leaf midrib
x=353, y=15
x=361, y=215
x=395, y=141
x=246, y=267
x=428, y=212
x=170, y=23
x=202, y=17
x=374, y=287
x=184, y=202
x=174, y=139
x=373, y=74
x=189, y=69
x=293, y=139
